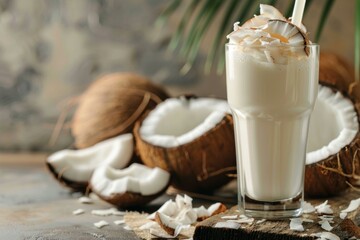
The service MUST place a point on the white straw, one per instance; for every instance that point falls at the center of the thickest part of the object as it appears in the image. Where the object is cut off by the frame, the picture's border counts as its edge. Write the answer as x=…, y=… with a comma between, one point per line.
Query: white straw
x=298, y=12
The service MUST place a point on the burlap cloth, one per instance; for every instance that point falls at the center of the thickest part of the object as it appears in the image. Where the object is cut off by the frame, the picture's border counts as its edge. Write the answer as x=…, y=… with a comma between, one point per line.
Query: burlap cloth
x=135, y=220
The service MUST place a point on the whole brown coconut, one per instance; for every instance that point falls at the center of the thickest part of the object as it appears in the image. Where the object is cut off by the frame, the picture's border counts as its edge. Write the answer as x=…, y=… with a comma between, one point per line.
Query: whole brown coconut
x=111, y=105
x=335, y=174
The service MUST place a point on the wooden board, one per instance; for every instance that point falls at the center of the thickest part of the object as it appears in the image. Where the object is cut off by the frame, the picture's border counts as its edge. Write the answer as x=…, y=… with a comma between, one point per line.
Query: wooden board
x=279, y=230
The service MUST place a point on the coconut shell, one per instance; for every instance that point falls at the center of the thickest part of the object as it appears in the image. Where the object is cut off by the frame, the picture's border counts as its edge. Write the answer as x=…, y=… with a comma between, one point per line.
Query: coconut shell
x=332, y=175
x=130, y=199
x=195, y=166
x=335, y=72
x=111, y=105
x=76, y=186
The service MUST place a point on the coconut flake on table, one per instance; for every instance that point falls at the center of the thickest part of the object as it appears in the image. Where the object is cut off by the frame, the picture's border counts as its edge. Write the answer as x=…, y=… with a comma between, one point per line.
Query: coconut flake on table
x=354, y=204
x=243, y=220
x=85, y=200
x=326, y=225
x=260, y=221
x=326, y=236
x=307, y=207
x=324, y=208
x=101, y=224
x=128, y=228
x=80, y=164
x=227, y=224
x=173, y=226
x=176, y=112
x=343, y=215
x=78, y=211
x=230, y=217
x=296, y=224
x=203, y=213
x=149, y=225
x=162, y=234
x=108, y=212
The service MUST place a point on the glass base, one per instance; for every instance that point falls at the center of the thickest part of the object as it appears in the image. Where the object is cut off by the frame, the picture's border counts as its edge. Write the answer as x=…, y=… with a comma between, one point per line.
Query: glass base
x=272, y=210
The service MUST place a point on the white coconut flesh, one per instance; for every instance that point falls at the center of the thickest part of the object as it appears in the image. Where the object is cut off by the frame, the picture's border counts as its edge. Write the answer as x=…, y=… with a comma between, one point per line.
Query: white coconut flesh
x=179, y=121
x=107, y=181
x=333, y=125
x=78, y=165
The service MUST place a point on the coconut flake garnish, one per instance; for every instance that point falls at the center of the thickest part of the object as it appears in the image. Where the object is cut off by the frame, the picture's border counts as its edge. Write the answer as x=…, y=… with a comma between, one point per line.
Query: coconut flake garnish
x=78, y=211
x=85, y=200
x=296, y=224
x=119, y=222
x=101, y=224
x=325, y=236
x=107, y=212
x=227, y=224
x=308, y=207
x=324, y=208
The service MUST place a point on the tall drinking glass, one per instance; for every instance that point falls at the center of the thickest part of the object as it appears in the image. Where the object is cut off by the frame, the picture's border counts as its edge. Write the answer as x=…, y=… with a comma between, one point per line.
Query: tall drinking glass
x=271, y=91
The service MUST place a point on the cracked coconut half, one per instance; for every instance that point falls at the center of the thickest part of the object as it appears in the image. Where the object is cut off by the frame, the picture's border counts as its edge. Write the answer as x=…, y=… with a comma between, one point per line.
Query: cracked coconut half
x=75, y=167
x=129, y=187
x=192, y=138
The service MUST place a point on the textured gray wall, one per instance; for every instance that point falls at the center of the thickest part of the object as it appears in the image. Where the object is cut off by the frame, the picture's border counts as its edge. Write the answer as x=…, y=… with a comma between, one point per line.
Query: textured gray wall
x=50, y=50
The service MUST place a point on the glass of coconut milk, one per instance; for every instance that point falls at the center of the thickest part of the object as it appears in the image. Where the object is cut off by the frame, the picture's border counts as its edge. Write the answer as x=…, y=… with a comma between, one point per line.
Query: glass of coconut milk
x=271, y=91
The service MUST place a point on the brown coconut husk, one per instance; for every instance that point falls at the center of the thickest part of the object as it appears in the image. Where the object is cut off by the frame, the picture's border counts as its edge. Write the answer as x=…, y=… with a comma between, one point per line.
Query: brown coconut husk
x=336, y=173
x=335, y=72
x=111, y=105
x=198, y=166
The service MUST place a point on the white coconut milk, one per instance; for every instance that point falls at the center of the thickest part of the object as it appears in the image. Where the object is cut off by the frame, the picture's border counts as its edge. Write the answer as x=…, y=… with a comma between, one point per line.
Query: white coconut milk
x=271, y=105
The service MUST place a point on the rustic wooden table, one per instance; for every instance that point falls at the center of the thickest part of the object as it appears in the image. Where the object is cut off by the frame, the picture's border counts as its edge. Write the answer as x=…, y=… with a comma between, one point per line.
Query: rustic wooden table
x=34, y=206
